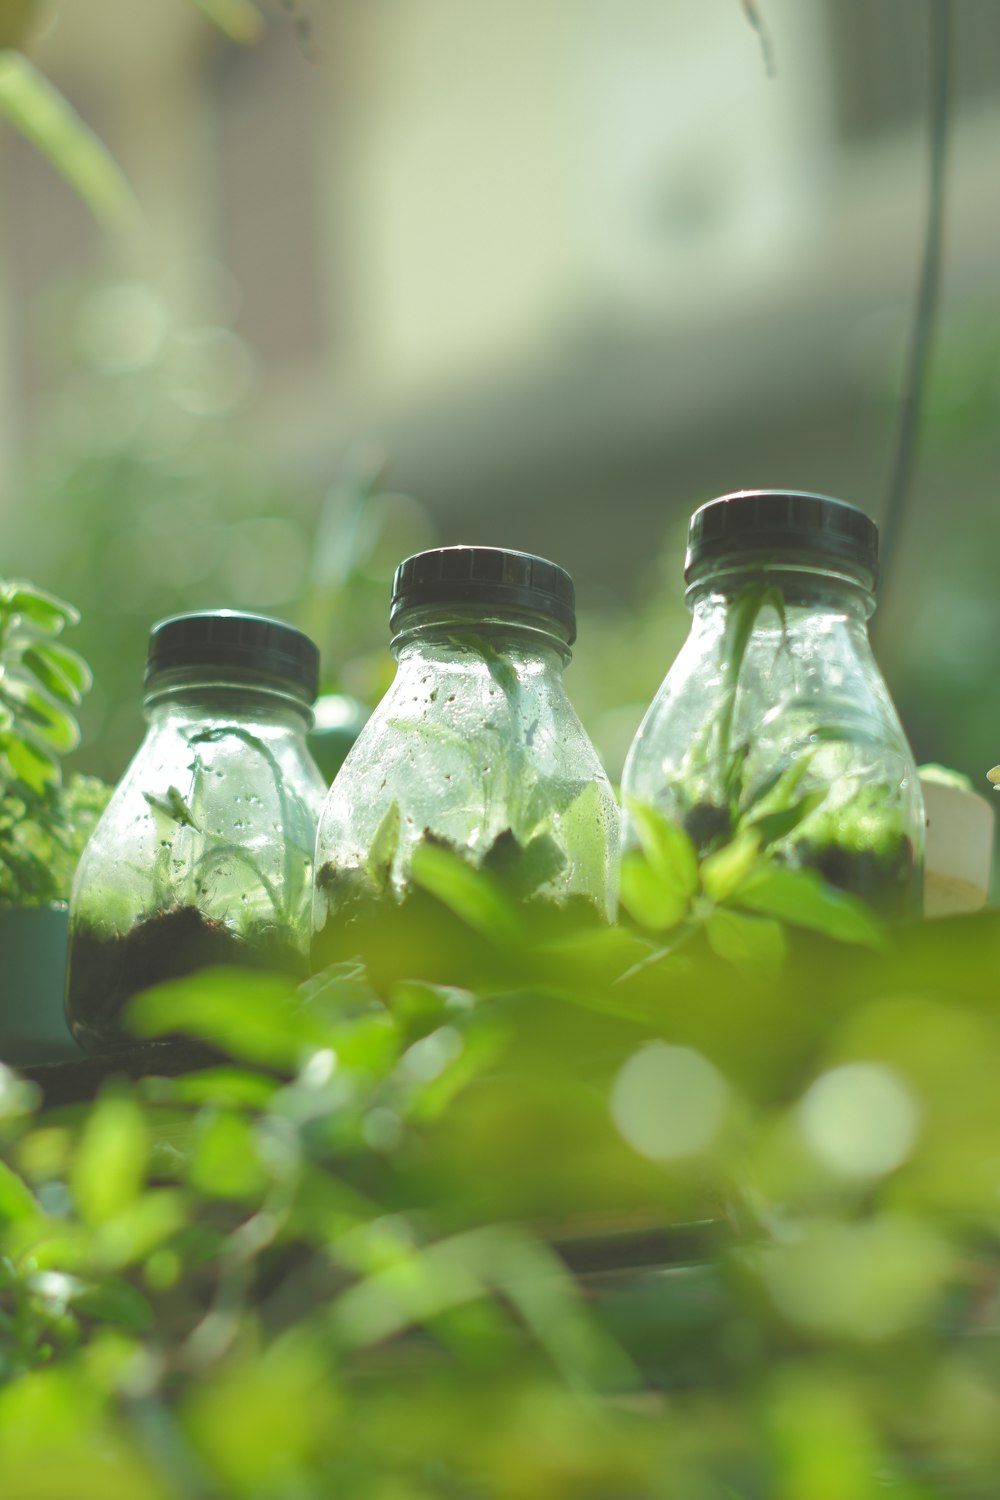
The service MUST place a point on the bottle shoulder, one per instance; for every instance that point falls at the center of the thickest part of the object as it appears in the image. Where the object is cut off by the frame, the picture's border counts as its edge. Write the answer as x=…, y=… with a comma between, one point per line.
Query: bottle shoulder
x=191, y=796
x=447, y=719
x=733, y=715
x=471, y=757
x=828, y=672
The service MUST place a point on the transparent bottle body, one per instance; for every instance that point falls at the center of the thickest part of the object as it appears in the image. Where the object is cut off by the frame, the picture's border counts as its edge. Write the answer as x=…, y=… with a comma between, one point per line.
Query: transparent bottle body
x=204, y=853
x=475, y=747
x=775, y=717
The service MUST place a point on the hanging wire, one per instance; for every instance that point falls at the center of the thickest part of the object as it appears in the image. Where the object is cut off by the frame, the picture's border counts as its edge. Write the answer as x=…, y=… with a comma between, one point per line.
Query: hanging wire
x=756, y=20
x=925, y=307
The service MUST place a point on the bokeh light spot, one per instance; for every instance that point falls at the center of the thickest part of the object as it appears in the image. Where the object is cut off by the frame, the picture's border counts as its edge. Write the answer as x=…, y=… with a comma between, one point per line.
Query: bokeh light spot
x=861, y=1120
x=668, y=1102
x=122, y=327
x=209, y=370
x=864, y=1281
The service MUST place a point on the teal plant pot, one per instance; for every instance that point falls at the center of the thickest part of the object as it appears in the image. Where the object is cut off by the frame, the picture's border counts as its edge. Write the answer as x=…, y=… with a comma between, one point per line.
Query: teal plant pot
x=33, y=945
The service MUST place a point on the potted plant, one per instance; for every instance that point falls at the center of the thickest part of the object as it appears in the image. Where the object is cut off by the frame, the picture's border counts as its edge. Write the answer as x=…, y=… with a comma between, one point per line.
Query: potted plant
x=44, y=822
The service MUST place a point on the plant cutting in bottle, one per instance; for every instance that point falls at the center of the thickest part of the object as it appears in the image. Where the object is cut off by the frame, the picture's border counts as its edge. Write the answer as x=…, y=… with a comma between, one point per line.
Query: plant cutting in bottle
x=475, y=750
x=805, y=810
x=212, y=901
x=527, y=856
x=190, y=855
x=773, y=733
x=205, y=854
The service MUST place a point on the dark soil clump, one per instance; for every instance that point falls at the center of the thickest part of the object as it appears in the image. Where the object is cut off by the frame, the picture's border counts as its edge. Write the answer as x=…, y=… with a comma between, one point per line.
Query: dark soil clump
x=417, y=936
x=707, y=825
x=887, y=879
x=106, y=971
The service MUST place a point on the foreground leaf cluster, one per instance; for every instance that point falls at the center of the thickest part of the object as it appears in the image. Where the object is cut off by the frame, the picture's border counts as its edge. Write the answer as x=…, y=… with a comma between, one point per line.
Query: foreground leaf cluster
x=523, y=1208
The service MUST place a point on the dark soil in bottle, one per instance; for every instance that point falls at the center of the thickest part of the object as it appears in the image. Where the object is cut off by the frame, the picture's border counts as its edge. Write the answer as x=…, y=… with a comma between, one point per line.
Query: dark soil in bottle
x=707, y=826
x=419, y=937
x=105, y=972
x=888, y=879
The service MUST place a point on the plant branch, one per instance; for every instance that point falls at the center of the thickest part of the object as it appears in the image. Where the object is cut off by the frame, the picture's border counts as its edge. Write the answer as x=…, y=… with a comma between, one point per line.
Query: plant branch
x=925, y=308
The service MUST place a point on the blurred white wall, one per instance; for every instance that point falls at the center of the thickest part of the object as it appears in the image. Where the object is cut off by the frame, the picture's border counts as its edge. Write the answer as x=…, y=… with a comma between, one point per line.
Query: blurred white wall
x=521, y=246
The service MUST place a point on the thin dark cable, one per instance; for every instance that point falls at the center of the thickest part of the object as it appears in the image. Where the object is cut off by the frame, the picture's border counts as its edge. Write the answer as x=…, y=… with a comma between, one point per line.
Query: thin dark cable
x=908, y=423
x=756, y=20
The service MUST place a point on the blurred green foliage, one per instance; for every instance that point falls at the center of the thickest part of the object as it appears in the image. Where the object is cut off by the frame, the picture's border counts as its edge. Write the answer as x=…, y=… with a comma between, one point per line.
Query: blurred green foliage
x=35, y=107
x=597, y=1216
x=146, y=495
x=44, y=823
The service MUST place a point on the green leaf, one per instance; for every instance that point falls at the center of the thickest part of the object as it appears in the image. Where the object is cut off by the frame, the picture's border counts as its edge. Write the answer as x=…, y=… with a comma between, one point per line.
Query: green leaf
x=775, y=825
x=417, y=1286
x=524, y=868
x=583, y=828
x=756, y=946
x=470, y=893
x=240, y=20
x=134, y=1233
x=49, y=669
x=725, y=870
x=29, y=763
x=44, y=610
x=778, y=787
x=742, y=619
x=114, y=1301
x=667, y=848
x=172, y=806
x=804, y=899
x=234, y=1088
x=17, y=1202
x=51, y=723
x=383, y=849
x=225, y=1162
x=110, y=1164
x=498, y=665
x=650, y=900
x=740, y=622
x=41, y=113
x=253, y=1016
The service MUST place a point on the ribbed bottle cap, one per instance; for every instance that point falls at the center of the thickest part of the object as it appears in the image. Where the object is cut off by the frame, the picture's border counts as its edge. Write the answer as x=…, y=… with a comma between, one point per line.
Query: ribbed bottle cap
x=789, y=525
x=254, y=647
x=488, y=576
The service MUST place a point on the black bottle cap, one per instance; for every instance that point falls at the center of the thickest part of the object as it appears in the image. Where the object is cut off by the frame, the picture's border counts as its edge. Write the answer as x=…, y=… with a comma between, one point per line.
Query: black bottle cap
x=789, y=525
x=488, y=576
x=253, y=647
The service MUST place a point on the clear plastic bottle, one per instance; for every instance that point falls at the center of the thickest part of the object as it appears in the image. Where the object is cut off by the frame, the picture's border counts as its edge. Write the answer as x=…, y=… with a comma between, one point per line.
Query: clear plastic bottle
x=475, y=746
x=204, y=853
x=775, y=717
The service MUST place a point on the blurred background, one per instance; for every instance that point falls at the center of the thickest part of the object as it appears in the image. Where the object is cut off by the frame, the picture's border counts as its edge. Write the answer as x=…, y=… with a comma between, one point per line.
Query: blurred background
x=545, y=274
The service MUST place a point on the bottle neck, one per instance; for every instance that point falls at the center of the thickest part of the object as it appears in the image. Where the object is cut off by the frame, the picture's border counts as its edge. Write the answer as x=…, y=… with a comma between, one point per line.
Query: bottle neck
x=463, y=630
x=801, y=593
x=194, y=699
